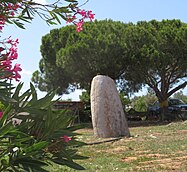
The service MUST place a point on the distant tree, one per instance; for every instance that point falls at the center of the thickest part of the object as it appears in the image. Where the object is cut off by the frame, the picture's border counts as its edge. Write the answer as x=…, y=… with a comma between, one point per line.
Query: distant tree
x=85, y=97
x=125, y=100
x=150, y=98
x=73, y=59
x=157, y=57
x=141, y=103
x=180, y=95
x=150, y=54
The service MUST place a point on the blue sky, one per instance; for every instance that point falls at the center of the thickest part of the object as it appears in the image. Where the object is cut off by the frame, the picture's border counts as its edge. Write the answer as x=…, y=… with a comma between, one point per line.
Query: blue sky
x=119, y=10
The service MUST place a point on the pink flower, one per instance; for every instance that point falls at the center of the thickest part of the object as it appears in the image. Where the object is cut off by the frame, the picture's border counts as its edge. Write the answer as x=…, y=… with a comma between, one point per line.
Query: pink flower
x=82, y=13
x=1, y=115
x=71, y=19
x=79, y=26
x=16, y=71
x=13, y=55
x=9, y=41
x=16, y=6
x=7, y=64
x=66, y=138
x=79, y=17
x=90, y=15
x=1, y=49
x=7, y=58
x=9, y=7
x=17, y=41
x=12, y=13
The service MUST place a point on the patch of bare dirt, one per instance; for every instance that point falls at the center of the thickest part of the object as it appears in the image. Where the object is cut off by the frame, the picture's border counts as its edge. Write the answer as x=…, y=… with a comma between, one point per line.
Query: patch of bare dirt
x=162, y=161
x=118, y=149
x=181, y=131
x=129, y=159
x=140, y=152
x=158, y=134
x=85, y=130
x=154, y=155
x=168, y=163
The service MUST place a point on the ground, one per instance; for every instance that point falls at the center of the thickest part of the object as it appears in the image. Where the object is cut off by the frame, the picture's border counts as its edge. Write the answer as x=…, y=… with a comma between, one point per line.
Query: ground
x=152, y=147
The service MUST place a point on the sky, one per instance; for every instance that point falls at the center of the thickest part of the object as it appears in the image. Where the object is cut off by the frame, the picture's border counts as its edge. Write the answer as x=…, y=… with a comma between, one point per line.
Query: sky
x=119, y=10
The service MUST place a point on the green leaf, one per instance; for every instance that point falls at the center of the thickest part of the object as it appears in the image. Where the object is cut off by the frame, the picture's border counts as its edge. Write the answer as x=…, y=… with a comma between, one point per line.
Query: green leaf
x=49, y=119
x=71, y=1
x=70, y=164
x=35, y=114
x=20, y=25
x=6, y=129
x=43, y=102
x=26, y=19
x=79, y=157
x=6, y=98
x=17, y=91
x=34, y=94
x=76, y=143
x=62, y=16
x=77, y=127
x=36, y=147
x=9, y=21
x=54, y=16
x=51, y=22
x=59, y=133
x=29, y=163
x=62, y=10
x=5, y=115
x=4, y=83
x=25, y=96
x=21, y=140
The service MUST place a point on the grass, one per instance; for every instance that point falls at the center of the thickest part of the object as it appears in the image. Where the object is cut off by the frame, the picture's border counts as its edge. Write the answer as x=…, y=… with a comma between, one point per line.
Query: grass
x=150, y=149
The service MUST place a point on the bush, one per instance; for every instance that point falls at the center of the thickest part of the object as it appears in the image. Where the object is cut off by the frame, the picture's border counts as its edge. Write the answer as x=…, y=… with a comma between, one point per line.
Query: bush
x=33, y=135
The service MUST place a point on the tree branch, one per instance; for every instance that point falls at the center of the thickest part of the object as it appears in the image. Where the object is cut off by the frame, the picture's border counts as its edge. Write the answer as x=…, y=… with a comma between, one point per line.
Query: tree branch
x=177, y=88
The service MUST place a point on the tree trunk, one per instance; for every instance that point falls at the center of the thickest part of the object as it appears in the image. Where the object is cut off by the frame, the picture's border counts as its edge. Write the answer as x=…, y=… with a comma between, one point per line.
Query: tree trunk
x=164, y=109
x=108, y=116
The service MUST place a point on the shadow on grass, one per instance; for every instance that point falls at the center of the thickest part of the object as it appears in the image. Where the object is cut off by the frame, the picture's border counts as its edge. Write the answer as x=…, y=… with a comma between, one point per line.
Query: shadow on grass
x=137, y=123
x=147, y=123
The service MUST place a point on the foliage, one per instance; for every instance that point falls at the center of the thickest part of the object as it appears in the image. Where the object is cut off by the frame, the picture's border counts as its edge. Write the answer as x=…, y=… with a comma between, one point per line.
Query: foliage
x=125, y=100
x=2, y=107
x=19, y=12
x=74, y=59
x=85, y=97
x=134, y=55
x=33, y=135
x=147, y=53
x=141, y=103
x=157, y=54
x=181, y=96
x=150, y=98
x=157, y=57
x=85, y=115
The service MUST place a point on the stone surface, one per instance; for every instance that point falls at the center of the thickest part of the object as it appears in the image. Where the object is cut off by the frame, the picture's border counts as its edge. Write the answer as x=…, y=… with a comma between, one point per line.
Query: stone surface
x=108, y=116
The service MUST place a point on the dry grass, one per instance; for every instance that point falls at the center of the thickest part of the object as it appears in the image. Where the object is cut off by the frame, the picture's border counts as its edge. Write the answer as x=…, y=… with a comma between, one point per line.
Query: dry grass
x=151, y=149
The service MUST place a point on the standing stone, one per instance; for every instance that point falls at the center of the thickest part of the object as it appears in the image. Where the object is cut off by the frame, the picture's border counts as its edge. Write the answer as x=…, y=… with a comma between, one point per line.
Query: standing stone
x=108, y=116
